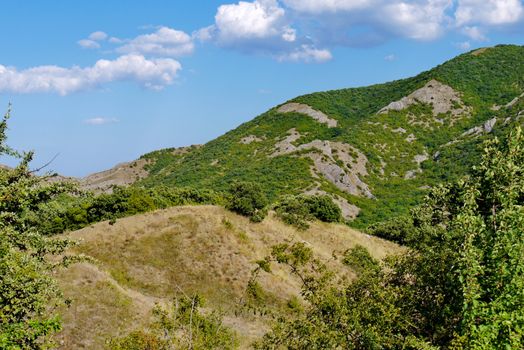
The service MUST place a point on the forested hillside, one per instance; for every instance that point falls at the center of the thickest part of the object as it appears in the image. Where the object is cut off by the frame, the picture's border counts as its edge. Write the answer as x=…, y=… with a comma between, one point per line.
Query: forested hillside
x=374, y=149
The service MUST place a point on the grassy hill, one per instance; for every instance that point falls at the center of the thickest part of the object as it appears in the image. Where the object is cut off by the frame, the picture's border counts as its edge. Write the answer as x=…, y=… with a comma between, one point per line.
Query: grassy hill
x=375, y=149
x=150, y=258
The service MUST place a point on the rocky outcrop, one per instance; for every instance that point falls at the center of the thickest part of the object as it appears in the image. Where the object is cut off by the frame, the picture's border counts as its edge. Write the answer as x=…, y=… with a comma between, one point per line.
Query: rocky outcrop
x=339, y=163
x=442, y=97
x=250, y=139
x=419, y=158
x=123, y=174
x=487, y=127
x=307, y=110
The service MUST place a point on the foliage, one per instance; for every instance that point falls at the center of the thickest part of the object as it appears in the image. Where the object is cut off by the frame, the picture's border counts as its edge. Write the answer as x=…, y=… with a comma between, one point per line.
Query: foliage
x=460, y=286
x=28, y=293
x=323, y=208
x=74, y=212
x=294, y=211
x=493, y=77
x=298, y=210
x=248, y=199
x=359, y=260
x=184, y=326
x=399, y=230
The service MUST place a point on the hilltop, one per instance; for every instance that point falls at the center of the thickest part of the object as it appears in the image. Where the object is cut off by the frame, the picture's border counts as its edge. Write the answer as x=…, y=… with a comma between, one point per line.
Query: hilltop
x=151, y=258
x=375, y=150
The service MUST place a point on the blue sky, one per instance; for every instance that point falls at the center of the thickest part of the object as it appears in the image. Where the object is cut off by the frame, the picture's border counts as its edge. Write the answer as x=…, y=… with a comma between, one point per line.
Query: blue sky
x=101, y=82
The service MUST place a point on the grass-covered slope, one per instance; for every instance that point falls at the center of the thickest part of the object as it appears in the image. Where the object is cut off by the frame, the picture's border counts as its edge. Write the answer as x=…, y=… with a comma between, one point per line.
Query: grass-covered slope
x=151, y=258
x=378, y=159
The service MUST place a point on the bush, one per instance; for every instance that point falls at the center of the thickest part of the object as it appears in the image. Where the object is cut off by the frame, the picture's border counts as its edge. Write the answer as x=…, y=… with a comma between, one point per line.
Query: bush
x=359, y=259
x=294, y=211
x=247, y=199
x=323, y=208
x=298, y=210
x=75, y=212
x=400, y=230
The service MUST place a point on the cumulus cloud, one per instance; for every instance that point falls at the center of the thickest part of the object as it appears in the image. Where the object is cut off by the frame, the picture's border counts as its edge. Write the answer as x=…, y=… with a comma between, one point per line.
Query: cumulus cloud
x=489, y=12
x=150, y=73
x=98, y=36
x=261, y=27
x=474, y=33
x=328, y=6
x=284, y=28
x=247, y=20
x=419, y=20
x=165, y=42
x=306, y=53
x=88, y=44
x=100, y=121
x=92, y=41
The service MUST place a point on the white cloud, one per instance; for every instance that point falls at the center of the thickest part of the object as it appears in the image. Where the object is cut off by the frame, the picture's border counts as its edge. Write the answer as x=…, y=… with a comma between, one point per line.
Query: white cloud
x=332, y=6
x=92, y=41
x=289, y=34
x=474, y=33
x=261, y=27
x=100, y=121
x=307, y=53
x=489, y=12
x=88, y=44
x=248, y=20
x=150, y=73
x=115, y=40
x=165, y=42
x=419, y=20
x=97, y=36
x=307, y=30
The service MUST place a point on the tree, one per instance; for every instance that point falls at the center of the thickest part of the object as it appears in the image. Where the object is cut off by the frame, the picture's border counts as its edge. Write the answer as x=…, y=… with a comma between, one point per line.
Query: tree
x=460, y=285
x=248, y=199
x=28, y=294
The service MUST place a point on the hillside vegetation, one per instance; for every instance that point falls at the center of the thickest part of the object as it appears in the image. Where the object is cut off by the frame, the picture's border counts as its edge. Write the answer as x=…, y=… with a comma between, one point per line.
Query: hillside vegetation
x=240, y=242
x=204, y=250
x=374, y=149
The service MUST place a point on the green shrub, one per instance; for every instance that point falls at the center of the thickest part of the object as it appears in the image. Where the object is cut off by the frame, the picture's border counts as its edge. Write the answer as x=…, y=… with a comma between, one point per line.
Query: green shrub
x=294, y=211
x=323, y=208
x=298, y=210
x=247, y=199
x=75, y=212
x=359, y=259
x=138, y=340
x=399, y=230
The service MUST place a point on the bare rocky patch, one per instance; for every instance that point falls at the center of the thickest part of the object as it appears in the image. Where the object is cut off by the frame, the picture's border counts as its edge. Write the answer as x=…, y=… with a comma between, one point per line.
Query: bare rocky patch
x=487, y=127
x=441, y=96
x=339, y=163
x=250, y=139
x=514, y=101
x=123, y=174
x=411, y=138
x=419, y=158
x=307, y=110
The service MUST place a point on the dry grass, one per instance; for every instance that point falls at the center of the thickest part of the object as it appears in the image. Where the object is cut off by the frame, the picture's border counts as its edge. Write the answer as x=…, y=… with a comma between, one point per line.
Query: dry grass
x=207, y=250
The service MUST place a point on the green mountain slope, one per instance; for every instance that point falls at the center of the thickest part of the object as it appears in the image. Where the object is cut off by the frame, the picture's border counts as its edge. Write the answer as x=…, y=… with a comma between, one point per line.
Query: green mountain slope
x=375, y=149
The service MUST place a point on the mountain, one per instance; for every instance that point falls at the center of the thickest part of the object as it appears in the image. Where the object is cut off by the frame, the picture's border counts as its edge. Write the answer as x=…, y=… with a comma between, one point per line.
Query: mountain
x=151, y=258
x=374, y=149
